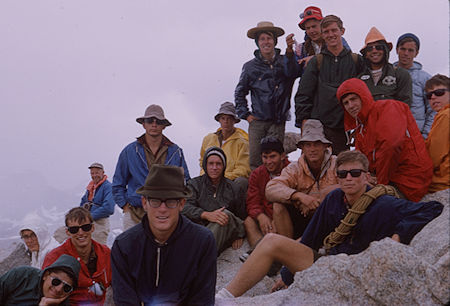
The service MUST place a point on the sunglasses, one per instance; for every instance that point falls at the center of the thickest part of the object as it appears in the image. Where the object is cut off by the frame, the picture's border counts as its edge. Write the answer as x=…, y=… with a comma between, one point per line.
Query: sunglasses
x=354, y=173
x=377, y=47
x=75, y=229
x=66, y=287
x=152, y=119
x=437, y=93
x=170, y=203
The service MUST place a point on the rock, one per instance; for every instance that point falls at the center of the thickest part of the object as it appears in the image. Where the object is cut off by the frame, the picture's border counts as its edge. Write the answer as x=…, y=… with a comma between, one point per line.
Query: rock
x=386, y=273
x=290, y=141
x=18, y=257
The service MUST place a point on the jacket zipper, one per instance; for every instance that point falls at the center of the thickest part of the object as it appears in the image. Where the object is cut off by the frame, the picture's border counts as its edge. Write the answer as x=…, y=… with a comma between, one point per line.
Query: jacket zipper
x=158, y=257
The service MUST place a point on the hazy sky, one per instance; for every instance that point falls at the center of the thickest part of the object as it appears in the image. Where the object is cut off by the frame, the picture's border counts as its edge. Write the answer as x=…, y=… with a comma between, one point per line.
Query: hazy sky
x=74, y=75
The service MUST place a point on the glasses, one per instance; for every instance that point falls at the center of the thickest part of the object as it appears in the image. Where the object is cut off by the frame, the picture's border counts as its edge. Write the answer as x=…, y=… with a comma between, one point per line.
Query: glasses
x=66, y=287
x=75, y=229
x=170, y=203
x=437, y=93
x=152, y=119
x=354, y=173
x=377, y=47
x=30, y=236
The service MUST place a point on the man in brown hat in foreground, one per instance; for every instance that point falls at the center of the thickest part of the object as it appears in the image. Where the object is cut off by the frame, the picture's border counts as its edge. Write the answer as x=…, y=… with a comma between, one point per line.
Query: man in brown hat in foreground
x=137, y=157
x=166, y=259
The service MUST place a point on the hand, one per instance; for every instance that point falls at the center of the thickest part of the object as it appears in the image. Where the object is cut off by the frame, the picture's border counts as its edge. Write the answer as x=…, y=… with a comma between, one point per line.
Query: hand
x=51, y=301
x=237, y=243
x=250, y=118
x=290, y=41
x=396, y=237
x=216, y=216
x=278, y=285
x=265, y=224
x=305, y=60
x=307, y=202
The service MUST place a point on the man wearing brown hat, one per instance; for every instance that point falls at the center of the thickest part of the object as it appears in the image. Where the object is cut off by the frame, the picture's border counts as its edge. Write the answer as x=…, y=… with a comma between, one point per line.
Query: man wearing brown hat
x=233, y=141
x=166, y=259
x=265, y=78
x=300, y=188
x=137, y=158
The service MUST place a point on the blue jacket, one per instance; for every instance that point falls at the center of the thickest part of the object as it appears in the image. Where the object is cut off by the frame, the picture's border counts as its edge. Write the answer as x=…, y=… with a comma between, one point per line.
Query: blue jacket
x=182, y=271
x=132, y=170
x=420, y=107
x=103, y=203
x=269, y=86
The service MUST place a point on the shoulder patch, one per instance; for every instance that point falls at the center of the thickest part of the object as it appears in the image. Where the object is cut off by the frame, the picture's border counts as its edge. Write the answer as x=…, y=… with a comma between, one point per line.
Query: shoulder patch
x=365, y=77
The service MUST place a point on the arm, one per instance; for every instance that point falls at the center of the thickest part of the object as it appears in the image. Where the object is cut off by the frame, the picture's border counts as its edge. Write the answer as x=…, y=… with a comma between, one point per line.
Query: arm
x=192, y=208
x=429, y=116
x=242, y=165
x=404, y=87
x=304, y=98
x=120, y=180
x=254, y=200
x=240, y=93
x=84, y=198
x=280, y=189
x=106, y=207
x=439, y=142
x=187, y=177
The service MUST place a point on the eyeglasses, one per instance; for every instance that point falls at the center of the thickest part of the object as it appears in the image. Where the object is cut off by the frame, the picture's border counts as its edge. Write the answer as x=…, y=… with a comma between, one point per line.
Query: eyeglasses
x=30, y=236
x=75, y=229
x=170, y=203
x=438, y=92
x=66, y=287
x=377, y=47
x=354, y=173
x=152, y=119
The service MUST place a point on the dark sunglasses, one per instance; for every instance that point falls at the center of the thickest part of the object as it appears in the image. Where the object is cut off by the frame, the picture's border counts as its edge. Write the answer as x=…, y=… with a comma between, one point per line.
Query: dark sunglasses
x=152, y=119
x=66, y=287
x=75, y=229
x=377, y=47
x=354, y=173
x=437, y=93
x=170, y=203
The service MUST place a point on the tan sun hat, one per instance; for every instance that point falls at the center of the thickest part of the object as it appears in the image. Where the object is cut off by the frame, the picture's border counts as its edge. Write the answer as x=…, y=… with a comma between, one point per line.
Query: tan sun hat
x=265, y=26
x=154, y=111
x=313, y=131
x=227, y=108
x=373, y=36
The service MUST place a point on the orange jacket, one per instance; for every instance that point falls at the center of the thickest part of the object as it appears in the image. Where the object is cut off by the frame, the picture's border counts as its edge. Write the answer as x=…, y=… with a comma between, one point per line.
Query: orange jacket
x=386, y=132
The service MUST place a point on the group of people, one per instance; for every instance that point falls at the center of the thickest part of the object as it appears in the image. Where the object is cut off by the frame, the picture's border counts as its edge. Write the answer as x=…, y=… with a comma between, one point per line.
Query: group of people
x=330, y=201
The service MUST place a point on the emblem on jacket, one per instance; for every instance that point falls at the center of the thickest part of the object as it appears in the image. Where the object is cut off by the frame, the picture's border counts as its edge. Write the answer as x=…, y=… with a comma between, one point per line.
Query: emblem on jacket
x=389, y=80
x=365, y=77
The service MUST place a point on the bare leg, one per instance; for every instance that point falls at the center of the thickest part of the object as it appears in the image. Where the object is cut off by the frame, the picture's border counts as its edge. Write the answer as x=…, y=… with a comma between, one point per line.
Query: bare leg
x=253, y=232
x=282, y=220
x=295, y=256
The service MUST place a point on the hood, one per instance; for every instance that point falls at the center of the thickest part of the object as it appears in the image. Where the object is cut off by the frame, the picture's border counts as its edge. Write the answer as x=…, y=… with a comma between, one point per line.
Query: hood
x=68, y=264
x=360, y=88
x=415, y=66
x=35, y=223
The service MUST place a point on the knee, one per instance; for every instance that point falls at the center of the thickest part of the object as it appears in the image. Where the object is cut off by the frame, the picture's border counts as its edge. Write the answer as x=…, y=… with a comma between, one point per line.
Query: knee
x=249, y=223
x=269, y=242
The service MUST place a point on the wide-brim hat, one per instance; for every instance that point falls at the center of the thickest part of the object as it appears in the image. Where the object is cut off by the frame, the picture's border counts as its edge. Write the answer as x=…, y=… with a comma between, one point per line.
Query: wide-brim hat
x=373, y=36
x=165, y=182
x=227, y=108
x=154, y=111
x=264, y=26
x=313, y=131
x=311, y=12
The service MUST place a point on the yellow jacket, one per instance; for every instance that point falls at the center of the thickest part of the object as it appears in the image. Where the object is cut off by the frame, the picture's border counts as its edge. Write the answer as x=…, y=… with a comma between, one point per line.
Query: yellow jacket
x=236, y=150
x=438, y=145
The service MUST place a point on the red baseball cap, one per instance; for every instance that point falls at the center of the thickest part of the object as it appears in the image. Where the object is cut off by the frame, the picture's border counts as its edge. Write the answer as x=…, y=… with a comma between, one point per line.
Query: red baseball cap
x=311, y=12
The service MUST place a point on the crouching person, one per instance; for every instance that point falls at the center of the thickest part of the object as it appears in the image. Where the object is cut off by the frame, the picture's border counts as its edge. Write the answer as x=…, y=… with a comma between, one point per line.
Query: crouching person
x=217, y=202
x=373, y=214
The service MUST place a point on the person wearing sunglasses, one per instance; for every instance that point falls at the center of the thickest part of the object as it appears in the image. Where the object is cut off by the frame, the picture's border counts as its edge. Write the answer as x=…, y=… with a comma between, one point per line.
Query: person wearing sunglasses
x=383, y=79
x=166, y=259
x=136, y=159
x=95, y=273
x=385, y=216
x=438, y=142
x=387, y=133
x=32, y=286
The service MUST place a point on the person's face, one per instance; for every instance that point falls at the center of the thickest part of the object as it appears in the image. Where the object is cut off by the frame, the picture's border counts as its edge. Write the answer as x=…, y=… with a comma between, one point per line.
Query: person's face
x=439, y=102
x=406, y=53
x=226, y=123
x=266, y=45
x=214, y=167
x=352, y=185
x=352, y=104
x=273, y=161
x=55, y=292
x=312, y=29
x=373, y=55
x=314, y=151
x=30, y=239
x=162, y=220
x=152, y=127
x=332, y=35
x=80, y=239
x=97, y=174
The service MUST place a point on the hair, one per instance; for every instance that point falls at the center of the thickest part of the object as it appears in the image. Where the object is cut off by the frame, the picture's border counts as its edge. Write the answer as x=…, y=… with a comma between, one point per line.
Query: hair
x=271, y=144
x=437, y=80
x=330, y=19
x=78, y=214
x=352, y=156
x=406, y=40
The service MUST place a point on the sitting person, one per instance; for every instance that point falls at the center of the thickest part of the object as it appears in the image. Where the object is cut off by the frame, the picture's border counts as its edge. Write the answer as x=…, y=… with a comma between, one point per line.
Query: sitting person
x=233, y=141
x=217, y=202
x=387, y=133
x=399, y=219
x=31, y=286
x=300, y=188
x=438, y=141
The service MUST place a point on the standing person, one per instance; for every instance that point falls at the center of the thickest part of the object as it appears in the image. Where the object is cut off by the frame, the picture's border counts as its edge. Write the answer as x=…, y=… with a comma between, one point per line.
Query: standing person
x=407, y=49
x=137, y=157
x=95, y=273
x=234, y=143
x=386, y=132
x=316, y=94
x=99, y=201
x=438, y=142
x=166, y=259
x=217, y=202
x=265, y=78
x=383, y=79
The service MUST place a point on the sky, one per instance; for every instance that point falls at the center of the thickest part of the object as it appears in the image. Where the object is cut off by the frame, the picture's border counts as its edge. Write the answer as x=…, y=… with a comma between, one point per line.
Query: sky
x=74, y=76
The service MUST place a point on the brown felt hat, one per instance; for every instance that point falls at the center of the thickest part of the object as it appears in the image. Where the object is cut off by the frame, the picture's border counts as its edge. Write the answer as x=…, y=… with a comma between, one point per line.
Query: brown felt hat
x=264, y=26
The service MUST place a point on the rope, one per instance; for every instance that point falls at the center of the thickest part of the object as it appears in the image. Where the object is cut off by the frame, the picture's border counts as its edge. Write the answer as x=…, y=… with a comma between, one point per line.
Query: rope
x=345, y=227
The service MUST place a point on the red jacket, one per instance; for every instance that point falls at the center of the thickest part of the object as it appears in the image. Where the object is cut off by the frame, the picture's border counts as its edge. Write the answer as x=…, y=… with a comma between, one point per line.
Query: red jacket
x=256, y=193
x=386, y=132
x=82, y=296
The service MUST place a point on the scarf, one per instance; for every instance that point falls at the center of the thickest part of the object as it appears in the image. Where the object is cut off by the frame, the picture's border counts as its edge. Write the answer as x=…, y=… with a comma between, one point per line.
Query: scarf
x=91, y=187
